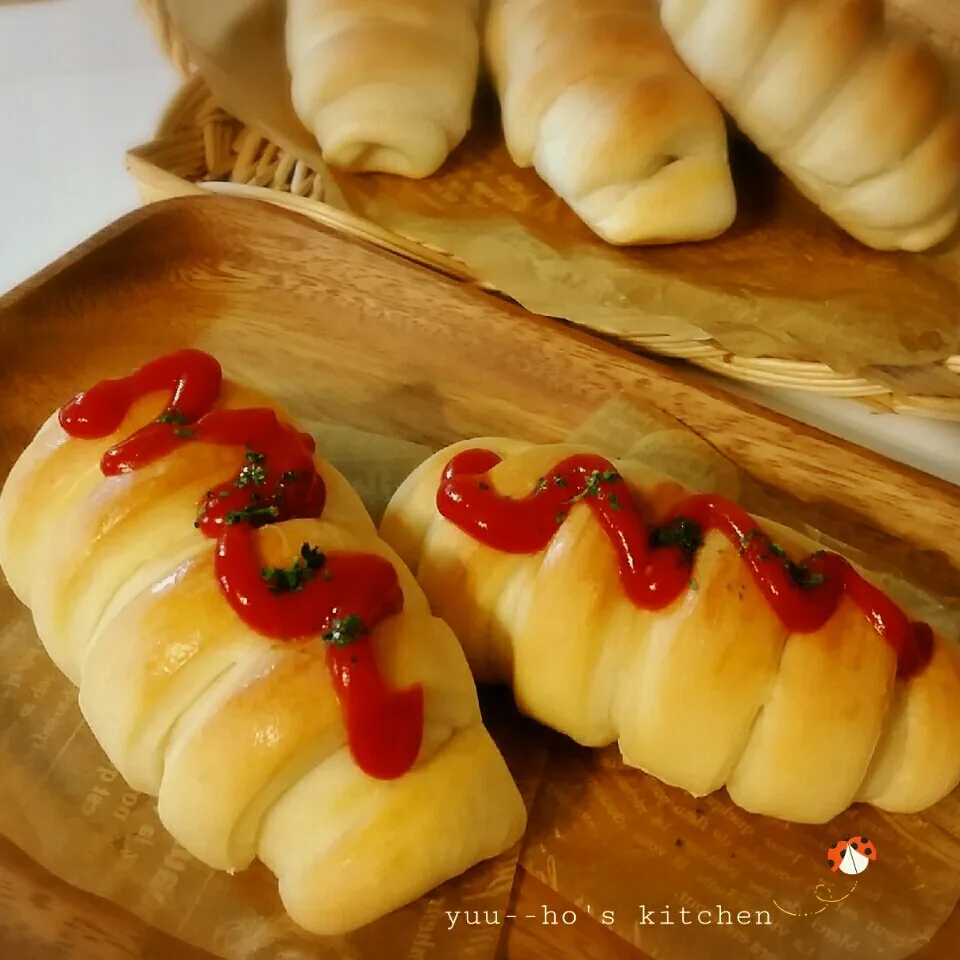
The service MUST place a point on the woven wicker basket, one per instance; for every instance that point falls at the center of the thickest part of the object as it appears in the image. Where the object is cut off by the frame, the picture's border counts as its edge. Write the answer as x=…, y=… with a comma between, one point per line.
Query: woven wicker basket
x=201, y=148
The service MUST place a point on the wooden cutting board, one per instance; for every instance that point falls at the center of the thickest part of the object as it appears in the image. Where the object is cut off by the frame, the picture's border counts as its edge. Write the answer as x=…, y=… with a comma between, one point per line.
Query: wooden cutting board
x=345, y=333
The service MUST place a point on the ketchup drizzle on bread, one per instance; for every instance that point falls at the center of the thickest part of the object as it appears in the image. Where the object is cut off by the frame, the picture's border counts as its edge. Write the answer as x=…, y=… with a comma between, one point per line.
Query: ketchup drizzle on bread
x=656, y=561
x=342, y=596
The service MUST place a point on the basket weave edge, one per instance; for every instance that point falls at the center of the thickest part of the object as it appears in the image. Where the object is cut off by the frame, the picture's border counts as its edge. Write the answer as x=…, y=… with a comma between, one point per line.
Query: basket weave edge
x=190, y=115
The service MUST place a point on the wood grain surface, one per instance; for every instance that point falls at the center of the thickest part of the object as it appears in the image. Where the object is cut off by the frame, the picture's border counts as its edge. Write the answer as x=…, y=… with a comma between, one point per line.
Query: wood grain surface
x=344, y=333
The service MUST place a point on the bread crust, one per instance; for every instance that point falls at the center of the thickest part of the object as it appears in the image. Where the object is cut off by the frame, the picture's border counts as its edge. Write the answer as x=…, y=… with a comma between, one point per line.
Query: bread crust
x=595, y=99
x=236, y=734
x=384, y=85
x=713, y=691
x=858, y=114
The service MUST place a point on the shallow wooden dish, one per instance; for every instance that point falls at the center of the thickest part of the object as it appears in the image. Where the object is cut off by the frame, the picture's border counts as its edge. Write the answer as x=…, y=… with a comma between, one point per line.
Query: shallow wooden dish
x=342, y=332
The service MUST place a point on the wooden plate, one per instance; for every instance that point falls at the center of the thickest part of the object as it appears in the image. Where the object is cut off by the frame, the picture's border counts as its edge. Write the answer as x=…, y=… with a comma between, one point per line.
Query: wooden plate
x=342, y=332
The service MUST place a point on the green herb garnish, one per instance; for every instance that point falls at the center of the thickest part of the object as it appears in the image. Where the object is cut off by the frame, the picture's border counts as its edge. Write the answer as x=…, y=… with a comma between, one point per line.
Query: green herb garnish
x=682, y=532
x=252, y=474
x=560, y=482
x=592, y=487
x=289, y=476
x=183, y=432
x=303, y=569
x=748, y=539
x=614, y=501
x=345, y=631
x=561, y=516
x=203, y=508
x=804, y=577
x=541, y=484
x=251, y=513
x=769, y=546
x=254, y=457
x=173, y=415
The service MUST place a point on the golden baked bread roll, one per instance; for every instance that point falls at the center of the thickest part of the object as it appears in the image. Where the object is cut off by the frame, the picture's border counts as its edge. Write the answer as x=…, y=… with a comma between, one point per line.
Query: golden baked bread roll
x=857, y=114
x=384, y=85
x=621, y=608
x=248, y=649
x=595, y=99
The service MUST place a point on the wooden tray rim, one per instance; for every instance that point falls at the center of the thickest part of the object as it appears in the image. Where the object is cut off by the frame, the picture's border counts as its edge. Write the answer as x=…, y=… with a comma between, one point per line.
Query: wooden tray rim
x=129, y=926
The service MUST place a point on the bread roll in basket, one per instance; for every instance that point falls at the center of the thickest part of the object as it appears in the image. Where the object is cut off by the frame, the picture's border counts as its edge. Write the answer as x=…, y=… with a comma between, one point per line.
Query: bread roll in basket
x=384, y=85
x=595, y=99
x=248, y=649
x=716, y=649
x=860, y=115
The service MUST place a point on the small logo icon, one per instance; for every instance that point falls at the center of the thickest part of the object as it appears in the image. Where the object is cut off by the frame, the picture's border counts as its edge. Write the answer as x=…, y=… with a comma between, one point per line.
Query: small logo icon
x=851, y=856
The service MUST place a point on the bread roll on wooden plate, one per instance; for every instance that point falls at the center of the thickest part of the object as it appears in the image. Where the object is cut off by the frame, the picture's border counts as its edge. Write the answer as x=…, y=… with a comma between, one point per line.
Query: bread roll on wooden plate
x=860, y=116
x=595, y=99
x=248, y=649
x=384, y=85
x=712, y=646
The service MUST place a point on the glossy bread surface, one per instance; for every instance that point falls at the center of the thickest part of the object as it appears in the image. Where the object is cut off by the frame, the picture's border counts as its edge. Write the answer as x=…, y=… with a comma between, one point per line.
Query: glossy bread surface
x=295, y=315
x=709, y=691
x=234, y=732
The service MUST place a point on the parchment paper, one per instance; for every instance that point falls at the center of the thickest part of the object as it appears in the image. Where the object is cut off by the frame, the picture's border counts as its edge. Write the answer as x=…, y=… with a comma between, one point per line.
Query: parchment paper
x=783, y=282
x=613, y=841
x=636, y=854
x=64, y=805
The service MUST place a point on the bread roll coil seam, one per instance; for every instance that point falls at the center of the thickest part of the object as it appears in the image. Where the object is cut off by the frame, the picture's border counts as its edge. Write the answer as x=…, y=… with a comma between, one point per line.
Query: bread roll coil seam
x=830, y=174
x=906, y=716
x=174, y=621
